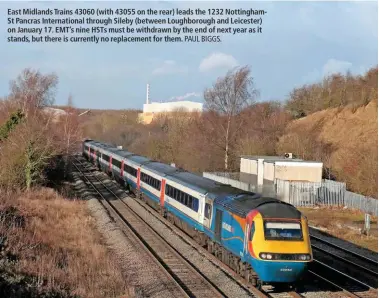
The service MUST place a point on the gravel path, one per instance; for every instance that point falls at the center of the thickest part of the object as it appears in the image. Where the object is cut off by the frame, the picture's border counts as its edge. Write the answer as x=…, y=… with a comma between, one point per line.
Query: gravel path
x=141, y=272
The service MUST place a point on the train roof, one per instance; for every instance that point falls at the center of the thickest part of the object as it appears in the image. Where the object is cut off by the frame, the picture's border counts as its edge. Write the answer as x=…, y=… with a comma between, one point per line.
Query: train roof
x=124, y=153
x=202, y=184
x=244, y=202
x=138, y=159
x=160, y=168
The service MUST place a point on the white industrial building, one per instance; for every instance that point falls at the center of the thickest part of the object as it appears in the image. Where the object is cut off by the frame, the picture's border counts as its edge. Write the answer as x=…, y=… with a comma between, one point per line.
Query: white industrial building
x=162, y=107
x=261, y=170
x=150, y=109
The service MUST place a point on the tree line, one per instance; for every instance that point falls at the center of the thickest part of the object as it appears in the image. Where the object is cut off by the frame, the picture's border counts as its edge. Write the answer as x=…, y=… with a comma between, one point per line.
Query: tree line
x=234, y=123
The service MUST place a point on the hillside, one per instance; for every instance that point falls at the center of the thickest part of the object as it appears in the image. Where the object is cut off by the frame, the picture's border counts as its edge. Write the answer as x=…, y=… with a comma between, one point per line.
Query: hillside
x=345, y=139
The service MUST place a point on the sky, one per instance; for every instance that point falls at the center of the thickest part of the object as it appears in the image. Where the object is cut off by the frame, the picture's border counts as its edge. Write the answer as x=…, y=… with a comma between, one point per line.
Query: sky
x=300, y=43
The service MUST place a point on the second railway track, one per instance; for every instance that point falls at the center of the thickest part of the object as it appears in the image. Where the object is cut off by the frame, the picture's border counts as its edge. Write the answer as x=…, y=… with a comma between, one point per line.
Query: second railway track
x=188, y=282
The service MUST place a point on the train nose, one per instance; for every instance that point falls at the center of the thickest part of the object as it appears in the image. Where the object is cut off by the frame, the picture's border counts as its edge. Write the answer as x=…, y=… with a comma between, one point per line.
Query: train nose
x=281, y=271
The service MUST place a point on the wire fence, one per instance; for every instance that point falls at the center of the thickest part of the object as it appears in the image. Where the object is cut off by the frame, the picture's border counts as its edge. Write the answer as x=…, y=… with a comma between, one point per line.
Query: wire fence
x=304, y=194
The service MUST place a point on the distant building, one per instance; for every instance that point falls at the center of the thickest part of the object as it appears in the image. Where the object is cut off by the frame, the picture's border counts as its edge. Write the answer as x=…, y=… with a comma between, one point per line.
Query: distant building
x=150, y=110
x=55, y=113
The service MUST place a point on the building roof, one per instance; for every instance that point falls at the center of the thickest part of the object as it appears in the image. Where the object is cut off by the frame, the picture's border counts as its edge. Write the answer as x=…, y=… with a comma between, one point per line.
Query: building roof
x=275, y=159
x=289, y=160
x=269, y=158
x=254, y=157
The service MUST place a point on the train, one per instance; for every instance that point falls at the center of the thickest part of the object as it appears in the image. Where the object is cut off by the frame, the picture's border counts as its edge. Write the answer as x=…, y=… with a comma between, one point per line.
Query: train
x=263, y=239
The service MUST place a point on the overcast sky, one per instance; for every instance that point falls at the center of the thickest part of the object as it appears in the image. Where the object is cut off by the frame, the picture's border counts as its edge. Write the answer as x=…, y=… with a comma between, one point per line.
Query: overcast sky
x=300, y=43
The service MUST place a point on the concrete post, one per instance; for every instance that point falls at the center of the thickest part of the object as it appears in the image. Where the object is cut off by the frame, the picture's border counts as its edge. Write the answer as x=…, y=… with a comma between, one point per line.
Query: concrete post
x=260, y=172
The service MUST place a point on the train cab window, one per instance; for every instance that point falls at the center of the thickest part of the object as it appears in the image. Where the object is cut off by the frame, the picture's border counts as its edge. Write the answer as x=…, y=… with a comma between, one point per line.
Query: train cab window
x=283, y=231
x=252, y=230
x=208, y=211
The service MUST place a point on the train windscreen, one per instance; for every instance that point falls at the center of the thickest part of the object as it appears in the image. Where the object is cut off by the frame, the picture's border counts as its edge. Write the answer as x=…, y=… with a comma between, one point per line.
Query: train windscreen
x=283, y=231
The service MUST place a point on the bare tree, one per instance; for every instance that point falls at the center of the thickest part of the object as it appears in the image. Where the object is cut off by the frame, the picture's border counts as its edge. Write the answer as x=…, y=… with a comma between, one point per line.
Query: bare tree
x=36, y=140
x=225, y=101
x=32, y=90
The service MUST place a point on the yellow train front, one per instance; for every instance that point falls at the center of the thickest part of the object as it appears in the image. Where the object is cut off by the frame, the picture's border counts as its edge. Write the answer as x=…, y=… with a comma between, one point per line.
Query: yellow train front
x=276, y=243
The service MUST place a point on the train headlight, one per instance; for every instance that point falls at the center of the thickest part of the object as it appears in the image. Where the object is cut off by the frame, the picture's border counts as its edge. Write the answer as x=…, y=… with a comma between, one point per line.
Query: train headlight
x=263, y=256
x=269, y=257
x=304, y=257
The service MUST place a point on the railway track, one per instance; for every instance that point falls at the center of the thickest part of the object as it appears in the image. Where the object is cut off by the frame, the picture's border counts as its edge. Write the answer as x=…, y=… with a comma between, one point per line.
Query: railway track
x=184, y=279
x=354, y=274
x=333, y=278
x=361, y=262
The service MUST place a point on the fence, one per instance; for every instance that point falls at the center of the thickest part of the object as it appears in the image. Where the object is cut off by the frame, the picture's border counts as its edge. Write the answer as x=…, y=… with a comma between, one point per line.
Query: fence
x=306, y=194
x=360, y=202
x=309, y=194
x=233, y=180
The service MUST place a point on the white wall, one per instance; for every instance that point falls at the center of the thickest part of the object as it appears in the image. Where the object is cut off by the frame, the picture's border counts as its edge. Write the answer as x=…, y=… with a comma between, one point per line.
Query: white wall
x=248, y=166
x=269, y=171
x=157, y=107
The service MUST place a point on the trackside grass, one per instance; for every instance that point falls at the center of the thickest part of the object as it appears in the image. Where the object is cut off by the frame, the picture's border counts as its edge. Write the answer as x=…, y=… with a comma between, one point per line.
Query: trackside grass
x=345, y=224
x=50, y=248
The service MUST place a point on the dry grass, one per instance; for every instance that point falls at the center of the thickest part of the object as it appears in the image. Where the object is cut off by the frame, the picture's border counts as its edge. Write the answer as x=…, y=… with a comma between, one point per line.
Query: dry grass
x=58, y=247
x=344, y=224
x=353, y=136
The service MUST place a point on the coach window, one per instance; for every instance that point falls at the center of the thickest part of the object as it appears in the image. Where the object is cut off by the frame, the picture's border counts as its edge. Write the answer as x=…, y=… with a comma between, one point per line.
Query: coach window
x=168, y=190
x=190, y=201
x=171, y=192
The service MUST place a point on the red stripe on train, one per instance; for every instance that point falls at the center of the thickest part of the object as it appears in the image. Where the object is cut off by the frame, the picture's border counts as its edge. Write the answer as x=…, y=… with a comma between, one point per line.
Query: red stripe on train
x=138, y=178
x=163, y=191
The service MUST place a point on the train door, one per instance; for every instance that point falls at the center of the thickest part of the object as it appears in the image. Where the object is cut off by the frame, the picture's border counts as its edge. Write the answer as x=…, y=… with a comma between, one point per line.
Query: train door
x=208, y=213
x=218, y=225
